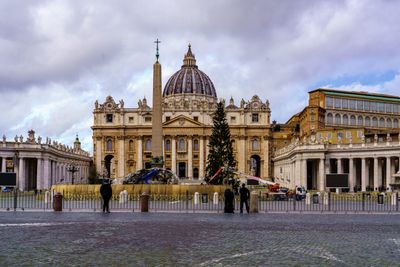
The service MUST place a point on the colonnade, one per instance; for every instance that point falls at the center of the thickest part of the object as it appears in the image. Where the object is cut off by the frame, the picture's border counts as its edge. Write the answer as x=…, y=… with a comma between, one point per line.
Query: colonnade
x=366, y=173
x=42, y=173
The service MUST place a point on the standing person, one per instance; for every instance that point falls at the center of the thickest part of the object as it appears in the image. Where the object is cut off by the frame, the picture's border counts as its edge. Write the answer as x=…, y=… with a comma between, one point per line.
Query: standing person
x=244, y=198
x=106, y=193
x=229, y=198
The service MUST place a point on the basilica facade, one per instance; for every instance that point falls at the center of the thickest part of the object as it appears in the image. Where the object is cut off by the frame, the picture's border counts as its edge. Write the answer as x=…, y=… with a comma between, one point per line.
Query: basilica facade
x=122, y=136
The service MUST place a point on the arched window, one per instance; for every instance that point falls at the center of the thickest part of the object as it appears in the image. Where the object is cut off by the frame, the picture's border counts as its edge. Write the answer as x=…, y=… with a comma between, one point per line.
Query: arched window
x=109, y=145
x=233, y=144
x=395, y=123
x=337, y=119
x=195, y=145
x=382, y=122
x=389, y=123
x=367, y=121
x=255, y=145
x=360, y=121
x=329, y=118
x=195, y=173
x=181, y=144
x=374, y=122
x=147, y=145
x=130, y=145
x=168, y=145
x=345, y=119
x=353, y=120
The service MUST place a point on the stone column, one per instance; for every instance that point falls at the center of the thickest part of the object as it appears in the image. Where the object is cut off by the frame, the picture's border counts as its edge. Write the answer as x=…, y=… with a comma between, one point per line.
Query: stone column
x=201, y=165
x=388, y=172
x=139, y=164
x=21, y=174
x=46, y=174
x=121, y=157
x=321, y=175
x=266, y=158
x=376, y=174
x=242, y=154
x=190, y=157
x=363, y=176
x=380, y=176
x=351, y=175
x=297, y=173
x=173, y=160
x=3, y=164
x=39, y=174
x=304, y=173
x=339, y=166
x=99, y=156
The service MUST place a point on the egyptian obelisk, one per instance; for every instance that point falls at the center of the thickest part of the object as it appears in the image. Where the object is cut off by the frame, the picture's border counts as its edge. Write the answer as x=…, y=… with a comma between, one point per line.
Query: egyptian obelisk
x=157, y=131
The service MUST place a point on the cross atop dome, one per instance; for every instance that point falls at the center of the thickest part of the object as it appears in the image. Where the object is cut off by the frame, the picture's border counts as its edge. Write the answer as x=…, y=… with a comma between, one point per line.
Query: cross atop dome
x=189, y=59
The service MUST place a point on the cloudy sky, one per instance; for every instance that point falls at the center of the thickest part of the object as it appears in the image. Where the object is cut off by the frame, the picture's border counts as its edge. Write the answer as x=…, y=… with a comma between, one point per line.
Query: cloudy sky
x=58, y=57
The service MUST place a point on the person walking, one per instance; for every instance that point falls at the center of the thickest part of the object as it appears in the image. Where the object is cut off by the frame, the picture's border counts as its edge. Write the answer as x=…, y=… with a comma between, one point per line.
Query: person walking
x=106, y=193
x=244, y=198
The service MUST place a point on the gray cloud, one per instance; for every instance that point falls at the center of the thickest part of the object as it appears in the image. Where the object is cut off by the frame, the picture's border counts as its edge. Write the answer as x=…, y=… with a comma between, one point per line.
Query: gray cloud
x=58, y=57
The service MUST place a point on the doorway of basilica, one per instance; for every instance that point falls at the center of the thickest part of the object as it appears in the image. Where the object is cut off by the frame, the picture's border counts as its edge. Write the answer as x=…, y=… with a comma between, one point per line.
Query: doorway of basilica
x=108, y=162
x=182, y=169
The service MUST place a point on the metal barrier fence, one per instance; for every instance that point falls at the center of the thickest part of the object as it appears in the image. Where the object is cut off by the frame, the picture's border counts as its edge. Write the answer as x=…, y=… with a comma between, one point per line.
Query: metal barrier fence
x=324, y=202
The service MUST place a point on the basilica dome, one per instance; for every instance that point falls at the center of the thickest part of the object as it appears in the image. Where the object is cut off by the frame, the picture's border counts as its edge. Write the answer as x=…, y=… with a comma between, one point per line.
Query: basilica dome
x=189, y=80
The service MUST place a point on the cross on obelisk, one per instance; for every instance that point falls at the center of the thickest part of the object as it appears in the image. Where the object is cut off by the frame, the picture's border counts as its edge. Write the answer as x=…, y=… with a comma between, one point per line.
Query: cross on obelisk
x=157, y=42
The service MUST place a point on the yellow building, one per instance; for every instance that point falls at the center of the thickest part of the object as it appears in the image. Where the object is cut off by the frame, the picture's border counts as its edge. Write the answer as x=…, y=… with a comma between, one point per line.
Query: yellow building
x=341, y=132
x=122, y=136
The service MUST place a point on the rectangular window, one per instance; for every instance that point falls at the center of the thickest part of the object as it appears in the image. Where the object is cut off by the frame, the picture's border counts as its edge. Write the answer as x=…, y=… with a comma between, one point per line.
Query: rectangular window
x=352, y=104
x=345, y=103
x=389, y=108
x=233, y=119
x=254, y=117
x=147, y=119
x=381, y=107
x=348, y=135
x=196, y=118
x=359, y=105
x=329, y=135
x=395, y=108
x=329, y=102
x=130, y=119
x=359, y=134
x=109, y=118
x=167, y=118
x=366, y=105
x=338, y=103
x=373, y=106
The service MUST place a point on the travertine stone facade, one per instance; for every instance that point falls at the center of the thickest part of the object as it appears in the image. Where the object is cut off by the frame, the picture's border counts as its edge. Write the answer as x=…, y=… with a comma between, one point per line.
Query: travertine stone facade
x=39, y=164
x=122, y=136
x=340, y=132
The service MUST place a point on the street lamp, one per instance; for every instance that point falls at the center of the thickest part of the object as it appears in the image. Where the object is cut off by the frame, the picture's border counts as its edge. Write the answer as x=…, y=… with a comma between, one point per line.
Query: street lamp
x=72, y=169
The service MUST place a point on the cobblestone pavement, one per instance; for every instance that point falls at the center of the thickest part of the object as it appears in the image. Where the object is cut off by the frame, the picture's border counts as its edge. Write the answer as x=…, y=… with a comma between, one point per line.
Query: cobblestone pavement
x=166, y=239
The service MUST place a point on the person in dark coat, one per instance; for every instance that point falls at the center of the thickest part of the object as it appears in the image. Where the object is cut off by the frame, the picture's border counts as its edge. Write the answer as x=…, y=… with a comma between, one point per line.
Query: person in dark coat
x=244, y=198
x=229, y=199
x=106, y=193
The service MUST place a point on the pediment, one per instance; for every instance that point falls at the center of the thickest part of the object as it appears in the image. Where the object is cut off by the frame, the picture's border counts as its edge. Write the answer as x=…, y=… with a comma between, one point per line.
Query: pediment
x=182, y=121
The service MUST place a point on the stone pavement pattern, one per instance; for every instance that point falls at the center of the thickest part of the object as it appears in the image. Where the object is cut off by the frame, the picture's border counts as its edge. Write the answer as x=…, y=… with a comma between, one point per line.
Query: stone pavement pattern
x=135, y=239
